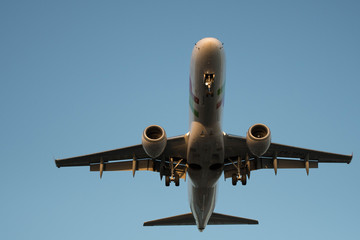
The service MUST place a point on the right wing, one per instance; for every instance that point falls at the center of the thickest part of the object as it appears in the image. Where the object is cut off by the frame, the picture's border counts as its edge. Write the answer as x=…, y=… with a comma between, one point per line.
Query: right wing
x=132, y=158
x=236, y=146
x=286, y=156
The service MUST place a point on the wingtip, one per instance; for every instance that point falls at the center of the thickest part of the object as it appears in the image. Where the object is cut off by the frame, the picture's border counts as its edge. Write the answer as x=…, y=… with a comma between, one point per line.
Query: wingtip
x=56, y=163
x=352, y=154
x=148, y=224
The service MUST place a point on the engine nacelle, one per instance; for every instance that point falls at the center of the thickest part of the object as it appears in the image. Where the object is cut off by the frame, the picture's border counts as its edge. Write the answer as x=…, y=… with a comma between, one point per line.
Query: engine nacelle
x=154, y=140
x=258, y=139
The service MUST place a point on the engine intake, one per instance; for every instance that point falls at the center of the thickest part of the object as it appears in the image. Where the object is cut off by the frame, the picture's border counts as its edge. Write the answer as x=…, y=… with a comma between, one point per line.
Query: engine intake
x=258, y=139
x=154, y=140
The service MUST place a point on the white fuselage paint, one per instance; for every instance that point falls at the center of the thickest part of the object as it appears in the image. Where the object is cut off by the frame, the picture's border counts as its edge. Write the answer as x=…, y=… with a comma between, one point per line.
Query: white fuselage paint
x=205, y=151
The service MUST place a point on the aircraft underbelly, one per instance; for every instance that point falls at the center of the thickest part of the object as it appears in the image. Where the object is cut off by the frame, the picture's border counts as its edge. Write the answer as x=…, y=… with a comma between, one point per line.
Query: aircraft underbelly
x=202, y=204
x=205, y=160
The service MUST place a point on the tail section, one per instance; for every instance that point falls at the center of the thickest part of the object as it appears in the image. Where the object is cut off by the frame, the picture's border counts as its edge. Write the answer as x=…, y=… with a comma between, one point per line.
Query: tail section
x=188, y=219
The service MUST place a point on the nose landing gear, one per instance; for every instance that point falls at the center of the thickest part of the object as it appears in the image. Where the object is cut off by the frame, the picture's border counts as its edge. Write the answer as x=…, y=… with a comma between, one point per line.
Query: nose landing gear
x=208, y=81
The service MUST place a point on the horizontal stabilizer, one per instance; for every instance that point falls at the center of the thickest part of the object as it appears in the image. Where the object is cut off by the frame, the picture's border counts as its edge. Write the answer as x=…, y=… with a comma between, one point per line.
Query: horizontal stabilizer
x=184, y=219
x=188, y=219
x=222, y=219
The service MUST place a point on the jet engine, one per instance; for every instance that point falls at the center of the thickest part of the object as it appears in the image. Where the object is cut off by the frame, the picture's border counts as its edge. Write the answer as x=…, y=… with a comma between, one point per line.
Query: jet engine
x=258, y=139
x=154, y=140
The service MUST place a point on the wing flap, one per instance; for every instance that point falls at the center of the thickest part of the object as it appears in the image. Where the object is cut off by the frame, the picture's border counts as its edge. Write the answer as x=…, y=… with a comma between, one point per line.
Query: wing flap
x=268, y=163
x=140, y=165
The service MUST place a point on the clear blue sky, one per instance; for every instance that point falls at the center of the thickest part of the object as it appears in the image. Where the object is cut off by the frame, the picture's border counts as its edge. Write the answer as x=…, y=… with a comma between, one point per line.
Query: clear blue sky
x=78, y=77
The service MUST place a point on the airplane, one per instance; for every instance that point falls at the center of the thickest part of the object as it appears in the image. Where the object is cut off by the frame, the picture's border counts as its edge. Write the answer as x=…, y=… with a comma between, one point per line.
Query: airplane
x=206, y=152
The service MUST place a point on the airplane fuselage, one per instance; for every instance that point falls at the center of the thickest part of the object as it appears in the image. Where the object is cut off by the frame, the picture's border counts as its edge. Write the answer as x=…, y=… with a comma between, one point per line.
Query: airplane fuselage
x=205, y=151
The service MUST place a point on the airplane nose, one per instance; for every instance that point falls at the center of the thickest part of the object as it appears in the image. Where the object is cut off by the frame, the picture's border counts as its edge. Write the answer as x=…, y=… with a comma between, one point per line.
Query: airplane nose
x=209, y=43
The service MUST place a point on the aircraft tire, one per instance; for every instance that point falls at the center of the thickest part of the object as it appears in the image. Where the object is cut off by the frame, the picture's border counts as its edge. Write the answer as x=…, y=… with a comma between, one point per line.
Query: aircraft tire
x=167, y=181
x=177, y=180
x=234, y=179
x=243, y=179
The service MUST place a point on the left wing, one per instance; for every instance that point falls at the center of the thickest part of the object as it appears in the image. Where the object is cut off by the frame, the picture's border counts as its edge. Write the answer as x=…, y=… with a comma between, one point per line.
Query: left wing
x=133, y=158
x=286, y=156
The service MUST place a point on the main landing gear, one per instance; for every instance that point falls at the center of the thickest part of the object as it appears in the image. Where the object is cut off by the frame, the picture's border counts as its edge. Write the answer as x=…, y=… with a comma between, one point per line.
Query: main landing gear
x=236, y=178
x=173, y=177
x=243, y=170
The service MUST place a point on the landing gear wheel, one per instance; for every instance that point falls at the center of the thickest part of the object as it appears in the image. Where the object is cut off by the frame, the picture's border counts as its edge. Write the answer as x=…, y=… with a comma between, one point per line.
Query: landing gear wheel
x=167, y=181
x=234, y=179
x=243, y=179
x=177, y=180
